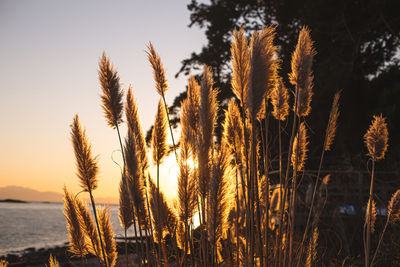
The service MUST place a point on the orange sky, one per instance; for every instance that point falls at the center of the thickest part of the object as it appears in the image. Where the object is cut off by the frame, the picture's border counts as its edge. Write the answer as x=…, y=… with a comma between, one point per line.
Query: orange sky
x=48, y=73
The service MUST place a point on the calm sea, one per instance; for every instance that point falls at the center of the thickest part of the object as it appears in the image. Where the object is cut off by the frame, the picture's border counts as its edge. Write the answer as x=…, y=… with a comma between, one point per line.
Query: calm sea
x=38, y=225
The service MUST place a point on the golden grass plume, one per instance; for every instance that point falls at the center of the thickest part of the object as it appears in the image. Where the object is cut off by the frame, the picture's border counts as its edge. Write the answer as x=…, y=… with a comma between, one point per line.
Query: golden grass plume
x=301, y=75
x=299, y=154
x=89, y=229
x=112, y=94
x=376, y=138
x=158, y=70
x=370, y=217
x=85, y=162
x=312, y=248
x=332, y=122
x=394, y=208
x=77, y=245
x=125, y=204
x=208, y=112
x=159, y=136
x=263, y=69
x=240, y=65
x=219, y=196
x=132, y=118
x=52, y=262
x=108, y=236
x=233, y=132
x=3, y=263
x=187, y=197
x=190, y=114
x=280, y=100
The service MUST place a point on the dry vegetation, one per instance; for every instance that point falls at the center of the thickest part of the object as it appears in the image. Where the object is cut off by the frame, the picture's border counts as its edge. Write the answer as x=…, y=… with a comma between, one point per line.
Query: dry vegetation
x=246, y=218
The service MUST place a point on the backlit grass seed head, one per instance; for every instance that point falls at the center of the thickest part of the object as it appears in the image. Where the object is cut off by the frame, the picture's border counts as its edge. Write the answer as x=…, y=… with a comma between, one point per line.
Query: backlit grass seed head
x=112, y=94
x=190, y=114
x=332, y=123
x=85, y=162
x=263, y=69
x=158, y=70
x=233, y=132
x=394, y=208
x=301, y=75
x=125, y=205
x=52, y=262
x=299, y=154
x=89, y=229
x=240, y=65
x=132, y=118
x=77, y=245
x=159, y=136
x=370, y=217
x=280, y=100
x=376, y=138
x=312, y=248
x=107, y=232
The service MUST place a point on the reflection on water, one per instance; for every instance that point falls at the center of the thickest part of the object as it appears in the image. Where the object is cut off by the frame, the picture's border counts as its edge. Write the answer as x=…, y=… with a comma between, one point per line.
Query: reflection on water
x=24, y=225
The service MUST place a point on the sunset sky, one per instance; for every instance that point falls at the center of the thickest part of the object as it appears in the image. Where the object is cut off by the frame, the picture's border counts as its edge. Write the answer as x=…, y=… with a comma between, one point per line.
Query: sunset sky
x=49, y=52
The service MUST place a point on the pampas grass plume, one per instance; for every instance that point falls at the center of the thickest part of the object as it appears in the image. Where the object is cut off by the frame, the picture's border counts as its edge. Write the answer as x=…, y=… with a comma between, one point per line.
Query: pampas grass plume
x=52, y=262
x=299, y=154
x=125, y=204
x=240, y=65
x=376, y=138
x=77, y=245
x=85, y=162
x=108, y=236
x=280, y=100
x=370, y=217
x=159, y=136
x=301, y=75
x=158, y=70
x=112, y=94
x=394, y=207
x=332, y=123
x=263, y=68
x=132, y=118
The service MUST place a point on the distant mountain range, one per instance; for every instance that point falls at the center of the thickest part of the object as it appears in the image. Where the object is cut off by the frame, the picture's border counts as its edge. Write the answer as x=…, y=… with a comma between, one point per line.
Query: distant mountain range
x=31, y=195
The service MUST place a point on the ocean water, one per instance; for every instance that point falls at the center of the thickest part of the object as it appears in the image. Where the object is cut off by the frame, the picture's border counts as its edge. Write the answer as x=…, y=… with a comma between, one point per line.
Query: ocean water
x=38, y=225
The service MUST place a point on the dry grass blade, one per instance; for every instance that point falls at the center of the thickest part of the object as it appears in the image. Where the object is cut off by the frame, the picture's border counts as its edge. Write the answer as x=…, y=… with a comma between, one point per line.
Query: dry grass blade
x=219, y=196
x=77, y=245
x=332, y=123
x=301, y=74
x=240, y=65
x=376, y=138
x=158, y=70
x=280, y=100
x=299, y=154
x=125, y=204
x=370, y=217
x=132, y=118
x=394, y=208
x=85, y=162
x=159, y=136
x=108, y=236
x=263, y=69
x=112, y=94
x=89, y=229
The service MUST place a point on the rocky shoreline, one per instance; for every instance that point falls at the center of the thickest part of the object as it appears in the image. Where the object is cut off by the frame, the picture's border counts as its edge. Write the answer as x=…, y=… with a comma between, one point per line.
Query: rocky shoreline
x=39, y=257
